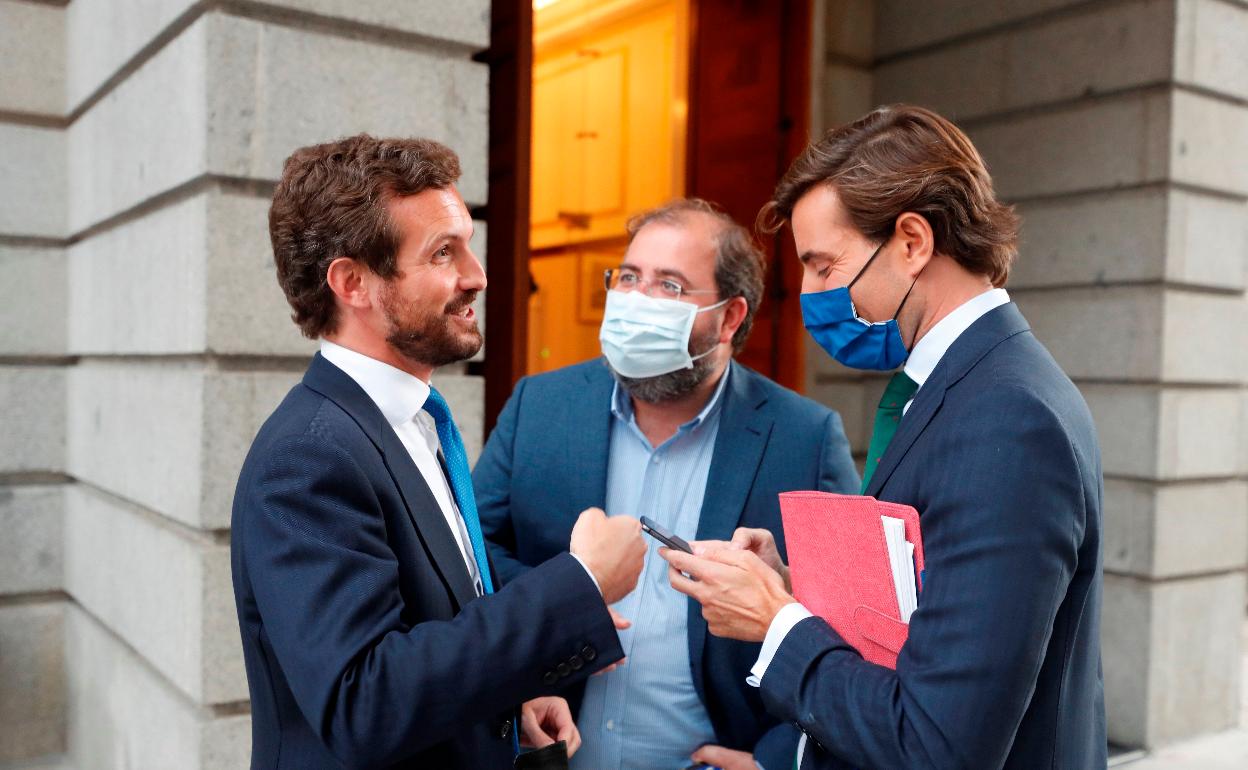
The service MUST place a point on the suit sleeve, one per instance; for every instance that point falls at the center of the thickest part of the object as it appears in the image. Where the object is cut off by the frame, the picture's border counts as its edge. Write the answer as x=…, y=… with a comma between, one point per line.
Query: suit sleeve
x=491, y=480
x=836, y=462
x=776, y=748
x=374, y=686
x=1006, y=513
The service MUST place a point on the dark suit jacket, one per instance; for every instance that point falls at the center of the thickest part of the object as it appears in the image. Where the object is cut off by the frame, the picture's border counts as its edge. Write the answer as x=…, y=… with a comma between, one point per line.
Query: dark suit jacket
x=1003, y=663
x=546, y=461
x=364, y=641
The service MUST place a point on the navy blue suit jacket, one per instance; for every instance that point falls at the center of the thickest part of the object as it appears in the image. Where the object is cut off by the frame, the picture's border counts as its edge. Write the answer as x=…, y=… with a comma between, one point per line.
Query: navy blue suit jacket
x=364, y=641
x=546, y=461
x=1003, y=664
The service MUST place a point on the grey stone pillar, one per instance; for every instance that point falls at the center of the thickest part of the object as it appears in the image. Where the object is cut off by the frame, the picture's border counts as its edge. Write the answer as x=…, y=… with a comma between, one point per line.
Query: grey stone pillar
x=144, y=338
x=1120, y=130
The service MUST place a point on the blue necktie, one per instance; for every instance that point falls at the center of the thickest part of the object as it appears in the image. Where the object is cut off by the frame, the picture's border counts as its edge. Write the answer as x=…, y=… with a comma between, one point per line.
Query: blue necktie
x=461, y=480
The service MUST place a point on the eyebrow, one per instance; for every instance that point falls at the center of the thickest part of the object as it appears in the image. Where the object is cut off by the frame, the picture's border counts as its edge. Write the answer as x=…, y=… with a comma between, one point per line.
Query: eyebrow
x=447, y=235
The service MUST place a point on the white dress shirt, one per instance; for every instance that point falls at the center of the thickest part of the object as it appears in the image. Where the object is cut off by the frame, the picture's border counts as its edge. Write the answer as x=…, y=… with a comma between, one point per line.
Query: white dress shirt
x=919, y=366
x=401, y=398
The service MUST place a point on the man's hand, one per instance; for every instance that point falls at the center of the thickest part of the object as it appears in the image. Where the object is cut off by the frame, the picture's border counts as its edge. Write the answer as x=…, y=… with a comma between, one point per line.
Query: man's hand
x=739, y=594
x=725, y=759
x=544, y=721
x=612, y=549
x=763, y=543
x=621, y=623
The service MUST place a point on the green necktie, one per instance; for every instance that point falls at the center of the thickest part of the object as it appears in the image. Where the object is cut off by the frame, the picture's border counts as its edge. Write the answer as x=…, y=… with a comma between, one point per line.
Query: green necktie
x=900, y=390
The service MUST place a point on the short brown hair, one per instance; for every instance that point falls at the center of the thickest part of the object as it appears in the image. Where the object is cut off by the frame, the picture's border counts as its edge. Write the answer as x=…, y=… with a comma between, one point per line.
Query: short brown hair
x=331, y=202
x=738, y=259
x=903, y=158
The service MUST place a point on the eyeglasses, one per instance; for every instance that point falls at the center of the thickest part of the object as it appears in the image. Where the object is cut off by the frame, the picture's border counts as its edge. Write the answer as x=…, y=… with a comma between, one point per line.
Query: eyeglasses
x=623, y=279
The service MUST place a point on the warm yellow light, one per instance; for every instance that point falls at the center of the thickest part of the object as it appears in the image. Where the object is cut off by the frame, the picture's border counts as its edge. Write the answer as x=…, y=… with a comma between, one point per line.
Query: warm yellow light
x=540, y=4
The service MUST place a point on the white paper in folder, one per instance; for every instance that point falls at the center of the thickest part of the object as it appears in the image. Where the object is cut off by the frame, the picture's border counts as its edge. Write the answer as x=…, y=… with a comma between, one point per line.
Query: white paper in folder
x=901, y=559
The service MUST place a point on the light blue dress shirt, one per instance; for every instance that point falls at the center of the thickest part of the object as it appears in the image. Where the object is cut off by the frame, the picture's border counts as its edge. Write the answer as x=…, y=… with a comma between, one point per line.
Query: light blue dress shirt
x=646, y=715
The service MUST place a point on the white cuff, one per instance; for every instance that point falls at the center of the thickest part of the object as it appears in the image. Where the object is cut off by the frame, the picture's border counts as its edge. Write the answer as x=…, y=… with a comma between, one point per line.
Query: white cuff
x=587, y=572
x=788, y=616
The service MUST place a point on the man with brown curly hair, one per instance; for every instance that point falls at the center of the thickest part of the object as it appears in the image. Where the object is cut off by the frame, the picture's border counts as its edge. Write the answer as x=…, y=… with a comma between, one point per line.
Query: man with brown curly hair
x=373, y=631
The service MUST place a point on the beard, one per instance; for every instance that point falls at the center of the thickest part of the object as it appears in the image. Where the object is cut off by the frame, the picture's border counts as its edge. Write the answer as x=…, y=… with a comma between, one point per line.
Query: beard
x=430, y=338
x=673, y=385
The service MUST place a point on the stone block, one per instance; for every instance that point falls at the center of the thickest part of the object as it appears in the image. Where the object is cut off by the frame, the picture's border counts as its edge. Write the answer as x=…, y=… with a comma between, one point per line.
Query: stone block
x=159, y=587
x=1171, y=656
x=849, y=29
x=1209, y=143
x=33, y=301
x=1088, y=146
x=901, y=25
x=32, y=680
x=32, y=411
x=1099, y=333
x=1065, y=57
x=846, y=94
x=32, y=165
x=335, y=86
x=236, y=404
x=1170, y=530
x=1098, y=239
x=169, y=436
x=32, y=58
x=1206, y=335
x=1166, y=434
x=126, y=149
x=231, y=121
x=124, y=714
x=246, y=311
x=32, y=519
x=103, y=35
x=466, y=22
x=1209, y=46
x=1206, y=241
x=139, y=287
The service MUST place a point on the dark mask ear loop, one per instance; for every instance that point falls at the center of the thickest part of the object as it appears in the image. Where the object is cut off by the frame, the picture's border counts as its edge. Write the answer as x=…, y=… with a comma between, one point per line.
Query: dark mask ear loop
x=874, y=254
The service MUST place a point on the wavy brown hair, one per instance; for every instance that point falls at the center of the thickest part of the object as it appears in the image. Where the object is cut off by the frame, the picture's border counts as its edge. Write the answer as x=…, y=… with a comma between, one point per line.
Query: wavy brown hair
x=331, y=202
x=902, y=158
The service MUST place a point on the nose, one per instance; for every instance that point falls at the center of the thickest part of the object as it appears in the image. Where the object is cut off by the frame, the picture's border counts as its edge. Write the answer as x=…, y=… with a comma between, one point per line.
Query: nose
x=472, y=274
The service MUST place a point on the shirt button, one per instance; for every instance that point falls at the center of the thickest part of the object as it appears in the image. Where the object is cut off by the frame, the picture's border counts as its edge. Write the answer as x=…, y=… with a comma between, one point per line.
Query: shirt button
x=610, y=724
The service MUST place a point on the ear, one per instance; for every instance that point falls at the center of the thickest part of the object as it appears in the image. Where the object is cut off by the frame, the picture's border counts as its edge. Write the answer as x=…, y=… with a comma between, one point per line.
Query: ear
x=349, y=280
x=734, y=315
x=913, y=235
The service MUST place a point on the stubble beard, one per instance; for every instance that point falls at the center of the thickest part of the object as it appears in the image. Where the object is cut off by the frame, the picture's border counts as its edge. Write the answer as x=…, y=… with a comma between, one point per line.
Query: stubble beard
x=430, y=338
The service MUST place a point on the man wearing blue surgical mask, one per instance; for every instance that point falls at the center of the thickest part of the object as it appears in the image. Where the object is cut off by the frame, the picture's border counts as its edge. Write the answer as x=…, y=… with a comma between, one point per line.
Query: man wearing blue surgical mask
x=906, y=251
x=668, y=426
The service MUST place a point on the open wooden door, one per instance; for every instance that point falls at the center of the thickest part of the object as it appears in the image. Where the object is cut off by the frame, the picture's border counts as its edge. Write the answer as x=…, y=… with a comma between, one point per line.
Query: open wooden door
x=748, y=112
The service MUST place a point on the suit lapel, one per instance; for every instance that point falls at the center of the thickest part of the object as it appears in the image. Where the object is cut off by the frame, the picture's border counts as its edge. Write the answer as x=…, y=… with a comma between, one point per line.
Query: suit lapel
x=423, y=510
x=990, y=330
x=744, y=427
x=588, y=425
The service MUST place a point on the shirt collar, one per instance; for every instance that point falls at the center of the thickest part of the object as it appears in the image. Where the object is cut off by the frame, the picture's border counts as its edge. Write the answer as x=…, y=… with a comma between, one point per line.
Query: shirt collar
x=929, y=350
x=399, y=395
x=622, y=405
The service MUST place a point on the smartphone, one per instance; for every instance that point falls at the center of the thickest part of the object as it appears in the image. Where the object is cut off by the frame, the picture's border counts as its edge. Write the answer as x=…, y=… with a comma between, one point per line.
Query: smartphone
x=664, y=536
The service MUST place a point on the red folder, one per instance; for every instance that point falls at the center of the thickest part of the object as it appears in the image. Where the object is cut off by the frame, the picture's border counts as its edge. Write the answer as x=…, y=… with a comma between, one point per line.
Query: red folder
x=838, y=563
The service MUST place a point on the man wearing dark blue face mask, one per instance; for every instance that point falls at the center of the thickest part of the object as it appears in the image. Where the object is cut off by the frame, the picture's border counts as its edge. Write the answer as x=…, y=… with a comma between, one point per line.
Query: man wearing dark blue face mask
x=906, y=250
x=668, y=426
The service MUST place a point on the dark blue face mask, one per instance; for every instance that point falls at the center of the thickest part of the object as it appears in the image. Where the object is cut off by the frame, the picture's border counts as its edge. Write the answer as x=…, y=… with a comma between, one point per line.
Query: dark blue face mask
x=831, y=319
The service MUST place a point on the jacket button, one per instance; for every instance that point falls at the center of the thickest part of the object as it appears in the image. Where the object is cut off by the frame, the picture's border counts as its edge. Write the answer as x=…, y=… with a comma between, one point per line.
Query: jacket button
x=564, y=669
x=588, y=653
x=504, y=730
x=550, y=677
x=576, y=662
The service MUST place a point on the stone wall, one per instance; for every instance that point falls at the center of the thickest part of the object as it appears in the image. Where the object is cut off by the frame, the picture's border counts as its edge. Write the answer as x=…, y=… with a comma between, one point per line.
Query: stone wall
x=1120, y=131
x=143, y=337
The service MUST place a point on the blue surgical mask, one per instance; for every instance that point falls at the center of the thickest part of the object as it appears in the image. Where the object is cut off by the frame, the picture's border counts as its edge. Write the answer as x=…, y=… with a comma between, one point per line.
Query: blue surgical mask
x=832, y=320
x=644, y=336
